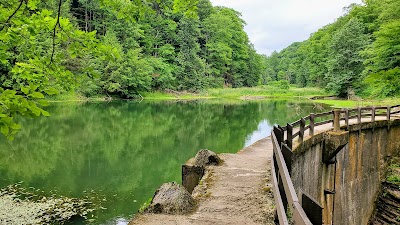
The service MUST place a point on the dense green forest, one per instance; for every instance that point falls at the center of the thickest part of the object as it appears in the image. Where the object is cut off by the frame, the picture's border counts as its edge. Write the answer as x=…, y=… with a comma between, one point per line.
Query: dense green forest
x=118, y=48
x=358, y=54
x=122, y=48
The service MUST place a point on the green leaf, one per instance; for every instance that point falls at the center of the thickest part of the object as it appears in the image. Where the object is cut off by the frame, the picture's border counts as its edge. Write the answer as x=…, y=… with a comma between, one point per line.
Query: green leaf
x=33, y=87
x=32, y=4
x=25, y=90
x=34, y=109
x=43, y=102
x=16, y=126
x=2, y=115
x=36, y=95
x=51, y=91
x=6, y=120
x=5, y=130
x=45, y=113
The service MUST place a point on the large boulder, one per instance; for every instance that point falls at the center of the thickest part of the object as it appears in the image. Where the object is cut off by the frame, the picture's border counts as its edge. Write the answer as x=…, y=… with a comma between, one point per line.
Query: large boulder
x=172, y=198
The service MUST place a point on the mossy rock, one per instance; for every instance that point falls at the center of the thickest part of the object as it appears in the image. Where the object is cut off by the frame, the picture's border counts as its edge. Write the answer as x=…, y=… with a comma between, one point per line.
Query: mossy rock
x=206, y=157
x=171, y=198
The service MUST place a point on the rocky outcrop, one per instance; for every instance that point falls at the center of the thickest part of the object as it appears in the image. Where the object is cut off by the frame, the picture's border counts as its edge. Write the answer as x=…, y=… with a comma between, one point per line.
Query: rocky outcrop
x=171, y=198
x=194, y=169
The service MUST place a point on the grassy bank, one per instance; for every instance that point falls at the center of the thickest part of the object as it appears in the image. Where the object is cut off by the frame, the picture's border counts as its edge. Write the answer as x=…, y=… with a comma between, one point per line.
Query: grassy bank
x=265, y=91
x=254, y=93
x=239, y=93
x=359, y=103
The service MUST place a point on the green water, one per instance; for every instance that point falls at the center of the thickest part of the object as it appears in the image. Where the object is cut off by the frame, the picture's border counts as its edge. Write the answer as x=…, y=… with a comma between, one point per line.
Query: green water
x=125, y=150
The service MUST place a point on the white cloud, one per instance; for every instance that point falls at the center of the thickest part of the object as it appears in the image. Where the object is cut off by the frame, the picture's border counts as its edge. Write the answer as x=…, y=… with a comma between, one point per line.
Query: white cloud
x=274, y=24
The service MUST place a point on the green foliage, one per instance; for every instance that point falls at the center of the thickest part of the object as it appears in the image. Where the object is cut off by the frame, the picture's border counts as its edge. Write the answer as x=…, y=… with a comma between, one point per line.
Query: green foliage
x=189, y=7
x=384, y=83
x=393, y=179
x=282, y=84
x=42, y=54
x=145, y=205
x=357, y=54
x=265, y=91
x=346, y=63
x=119, y=48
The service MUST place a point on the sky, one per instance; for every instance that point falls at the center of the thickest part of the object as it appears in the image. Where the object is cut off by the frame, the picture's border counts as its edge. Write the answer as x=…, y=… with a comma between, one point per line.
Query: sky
x=272, y=25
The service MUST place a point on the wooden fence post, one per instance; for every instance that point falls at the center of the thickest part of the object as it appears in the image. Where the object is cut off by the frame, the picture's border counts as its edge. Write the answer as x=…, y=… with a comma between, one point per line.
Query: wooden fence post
x=312, y=120
x=336, y=120
x=301, y=133
x=359, y=115
x=347, y=118
x=279, y=134
x=289, y=131
x=373, y=114
x=388, y=113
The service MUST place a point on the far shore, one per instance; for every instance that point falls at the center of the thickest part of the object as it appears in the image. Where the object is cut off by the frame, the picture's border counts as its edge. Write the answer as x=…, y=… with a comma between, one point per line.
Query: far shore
x=244, y=94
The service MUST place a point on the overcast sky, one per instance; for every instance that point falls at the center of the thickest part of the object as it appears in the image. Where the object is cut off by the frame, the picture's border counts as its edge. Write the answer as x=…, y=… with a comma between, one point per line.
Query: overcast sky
x=275, y=24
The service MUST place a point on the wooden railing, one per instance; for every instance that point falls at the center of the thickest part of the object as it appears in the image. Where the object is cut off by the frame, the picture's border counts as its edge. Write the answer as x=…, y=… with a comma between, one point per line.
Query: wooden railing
x=311, y=121
x=282, y=139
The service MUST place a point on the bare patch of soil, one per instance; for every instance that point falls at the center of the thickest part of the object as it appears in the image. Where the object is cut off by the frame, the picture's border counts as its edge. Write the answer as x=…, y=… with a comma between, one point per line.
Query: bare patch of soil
x=252, y=97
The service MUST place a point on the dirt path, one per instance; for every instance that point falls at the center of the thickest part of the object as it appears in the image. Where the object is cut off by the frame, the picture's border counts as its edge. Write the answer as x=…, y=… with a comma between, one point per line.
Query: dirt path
x=236, y=192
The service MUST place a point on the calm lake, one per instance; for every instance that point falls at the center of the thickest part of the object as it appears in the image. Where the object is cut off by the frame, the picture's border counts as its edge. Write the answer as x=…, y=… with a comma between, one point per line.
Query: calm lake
x=124, y=150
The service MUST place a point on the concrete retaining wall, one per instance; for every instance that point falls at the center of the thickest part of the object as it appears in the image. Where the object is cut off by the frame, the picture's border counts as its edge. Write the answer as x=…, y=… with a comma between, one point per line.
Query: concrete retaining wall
x=356, y=175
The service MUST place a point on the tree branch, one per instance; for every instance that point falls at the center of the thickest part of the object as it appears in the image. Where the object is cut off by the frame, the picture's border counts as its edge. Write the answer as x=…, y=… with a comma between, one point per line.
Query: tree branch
x=55, y=30
x=13, y=14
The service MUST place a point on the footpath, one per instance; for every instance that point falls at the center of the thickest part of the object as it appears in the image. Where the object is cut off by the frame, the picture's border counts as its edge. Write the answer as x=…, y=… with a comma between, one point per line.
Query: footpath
x=237, y=192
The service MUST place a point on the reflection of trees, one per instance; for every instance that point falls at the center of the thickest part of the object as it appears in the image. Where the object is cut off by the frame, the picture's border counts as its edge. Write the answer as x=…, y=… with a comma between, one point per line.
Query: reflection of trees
x=126, y=147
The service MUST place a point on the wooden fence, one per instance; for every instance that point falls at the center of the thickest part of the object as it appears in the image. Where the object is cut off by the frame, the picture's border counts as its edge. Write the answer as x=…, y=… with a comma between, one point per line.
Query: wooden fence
x=282, y=138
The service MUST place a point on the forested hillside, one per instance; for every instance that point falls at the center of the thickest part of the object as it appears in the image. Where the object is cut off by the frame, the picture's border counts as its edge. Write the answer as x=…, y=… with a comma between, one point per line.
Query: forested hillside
x=121, y=48
x=117, y=48
x=359, y=54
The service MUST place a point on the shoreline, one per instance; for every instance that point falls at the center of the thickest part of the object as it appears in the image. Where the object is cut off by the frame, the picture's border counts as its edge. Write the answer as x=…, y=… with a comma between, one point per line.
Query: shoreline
x=334, y=103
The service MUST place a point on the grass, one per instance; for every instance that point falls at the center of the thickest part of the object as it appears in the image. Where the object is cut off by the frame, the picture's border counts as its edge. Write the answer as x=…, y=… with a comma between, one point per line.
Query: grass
x=394, y=179
x=360, y=103
x=393, y=175
x=238, y=93
x=145, y=205
x=170, y=96
x=265, y=91
x=234, y=94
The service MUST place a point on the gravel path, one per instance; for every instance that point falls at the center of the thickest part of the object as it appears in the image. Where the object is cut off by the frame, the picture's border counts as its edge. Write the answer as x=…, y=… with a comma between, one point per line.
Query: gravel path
x=236, y=192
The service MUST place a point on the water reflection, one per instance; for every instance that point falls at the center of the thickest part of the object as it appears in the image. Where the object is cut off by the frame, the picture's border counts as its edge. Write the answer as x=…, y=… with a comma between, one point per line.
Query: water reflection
x=125, y=150
x=263, y=130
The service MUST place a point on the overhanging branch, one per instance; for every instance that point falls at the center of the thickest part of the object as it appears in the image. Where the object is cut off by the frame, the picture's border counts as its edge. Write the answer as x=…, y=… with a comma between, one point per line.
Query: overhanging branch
x=12, y=15
x=55, y=30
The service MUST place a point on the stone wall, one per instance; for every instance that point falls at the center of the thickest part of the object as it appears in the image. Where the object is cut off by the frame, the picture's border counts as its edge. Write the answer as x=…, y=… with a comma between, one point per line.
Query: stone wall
x=354, y=174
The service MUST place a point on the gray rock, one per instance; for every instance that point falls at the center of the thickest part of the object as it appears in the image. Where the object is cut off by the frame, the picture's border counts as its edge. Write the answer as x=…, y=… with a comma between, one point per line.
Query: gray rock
x=171, y=198
x=206, y=157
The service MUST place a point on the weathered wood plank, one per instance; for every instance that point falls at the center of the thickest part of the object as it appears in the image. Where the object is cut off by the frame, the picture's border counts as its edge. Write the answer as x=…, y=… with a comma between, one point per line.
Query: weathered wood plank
x=280, y=210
